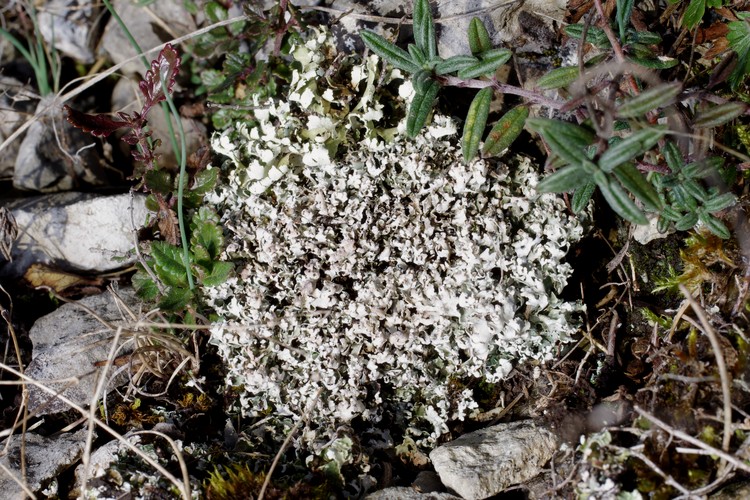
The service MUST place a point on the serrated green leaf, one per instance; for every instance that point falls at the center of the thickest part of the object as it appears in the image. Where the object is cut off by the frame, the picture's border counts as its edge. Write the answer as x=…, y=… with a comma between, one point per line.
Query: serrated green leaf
x=566, y=179
x=455, y=63
x=687, y=221
x=420, y=108
x=168, y=264
x=215, y=12
x=176, y=299
x=720, y=202
x=143, y=284
x=205, y=181
x=220, y=271
x=702, y=169
x=479, y=37
x=424, y=29
x=719, y=115
x=417, y=54
x=159, y=181
x=206, y=233
x=715, y=226
x=506, y=130
x=476, y=120
x=558, y=77
x=386, y=50
x=649, y=100
x=582, y=196
x=631, y=146
x=636, y=183
x=621, y=203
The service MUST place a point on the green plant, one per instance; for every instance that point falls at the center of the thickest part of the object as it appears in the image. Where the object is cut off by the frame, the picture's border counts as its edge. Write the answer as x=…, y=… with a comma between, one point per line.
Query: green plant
x=608, y=149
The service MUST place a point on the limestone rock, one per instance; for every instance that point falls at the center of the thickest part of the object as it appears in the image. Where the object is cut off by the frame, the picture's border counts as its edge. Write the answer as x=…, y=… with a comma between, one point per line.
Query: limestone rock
x=75, y=231
x=405, y=493
x=70, y=26
x=15, y=104
x=46, y=458
x=486, y=462
x=68, y=345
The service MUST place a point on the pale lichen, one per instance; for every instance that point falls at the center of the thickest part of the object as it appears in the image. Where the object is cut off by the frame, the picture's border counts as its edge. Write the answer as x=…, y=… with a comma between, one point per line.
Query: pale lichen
x=376, y=268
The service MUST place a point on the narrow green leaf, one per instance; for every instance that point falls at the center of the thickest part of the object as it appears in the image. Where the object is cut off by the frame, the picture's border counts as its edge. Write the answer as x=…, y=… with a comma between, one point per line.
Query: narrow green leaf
x=479, y=37
x=168, y=264
x=621, y=203
x=671, y=213
x=558, y=78
x=644, y=37
x=693, y=13
x=455, y=63
x=636, y=183
x=424, y=28
x=673, y=156
x=720, y=202
x=624, y=8
x=687, y=221
x=476, y=119
x=580, y=136
x=702, y=169
x=719, y=115
x=594, y=35
x=660, y=62
x=506, y=130
x=683, y=198
x=582, y=196
x=420, y=107
x=487, y=65
x=649, y=100
x=417, y=54
x=566, y=179
x=695, y=190
x=662, y=225
x=389, y=52
x=631, y=146
x=715, y=226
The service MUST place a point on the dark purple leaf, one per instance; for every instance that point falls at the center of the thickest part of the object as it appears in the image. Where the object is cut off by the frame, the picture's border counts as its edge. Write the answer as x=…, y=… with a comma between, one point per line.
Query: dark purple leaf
x=96, y=125
x=163, y=69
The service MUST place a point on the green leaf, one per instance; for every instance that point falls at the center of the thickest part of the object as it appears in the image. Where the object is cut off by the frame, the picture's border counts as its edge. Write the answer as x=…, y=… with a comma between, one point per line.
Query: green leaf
x=671, y=213
x=389, y=52
x=624, y=8
x=417, y=54
x=687, y=221
x=644, y=37
x=205, y=181
x=631, y=146
x=695, y=190
x=564, y=180
x=176, y=299
x=715, y=226
x=719, y=115
x=661, y=62
x=693, y=13
x=673, y=156
x=739, y=41
x=649, y=100
x=159, y=181
x=219, y=273
x=479, y=37
x=506, y=130
x=424, y=28
x=144, y=285
x=455, y=63
x=168, y=264
x=702, y=169
x=594, y=35
x=476, y=119
x=582, y=196
x=578, y=135
x=720, y=202
x=621, y=203
x=488, y=64
x=636, y=183
x=206, y=235
x=420, y=107
x=662, y=225
x=558, y=78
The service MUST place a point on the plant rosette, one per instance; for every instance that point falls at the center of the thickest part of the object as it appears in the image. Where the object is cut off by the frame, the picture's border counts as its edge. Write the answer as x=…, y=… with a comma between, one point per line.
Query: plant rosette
x=380, y=270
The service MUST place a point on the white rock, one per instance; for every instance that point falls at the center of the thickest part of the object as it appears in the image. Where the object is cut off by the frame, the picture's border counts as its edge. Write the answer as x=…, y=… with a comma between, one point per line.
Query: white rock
x=405, y=493
x=68, y=344
x=70, y=27
x=15, y=105
x=46, y=458
x=644, y=234
x=75, y=231
x=486, y=462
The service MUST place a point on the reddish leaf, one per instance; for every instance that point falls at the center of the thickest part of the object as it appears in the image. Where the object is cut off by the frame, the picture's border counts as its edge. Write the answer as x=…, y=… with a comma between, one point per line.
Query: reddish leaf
x=163, y=69
x=96, y=125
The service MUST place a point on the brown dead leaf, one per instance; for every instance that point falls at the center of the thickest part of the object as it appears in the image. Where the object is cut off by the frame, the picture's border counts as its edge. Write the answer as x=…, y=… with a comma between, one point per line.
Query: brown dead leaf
x=40, y=275
x=8, y=232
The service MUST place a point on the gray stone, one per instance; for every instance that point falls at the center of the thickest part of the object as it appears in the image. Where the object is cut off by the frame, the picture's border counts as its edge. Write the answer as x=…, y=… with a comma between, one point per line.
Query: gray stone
x=486, y=462
x=55, y=156
x=75, y=231
x=46, y=458
x=405, y=493
x=150, y=24
x=68, y=344
x=70, y=27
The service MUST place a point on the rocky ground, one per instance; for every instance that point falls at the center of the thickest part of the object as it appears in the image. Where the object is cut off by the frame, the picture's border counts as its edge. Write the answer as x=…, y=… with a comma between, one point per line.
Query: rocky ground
x=115, y=373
